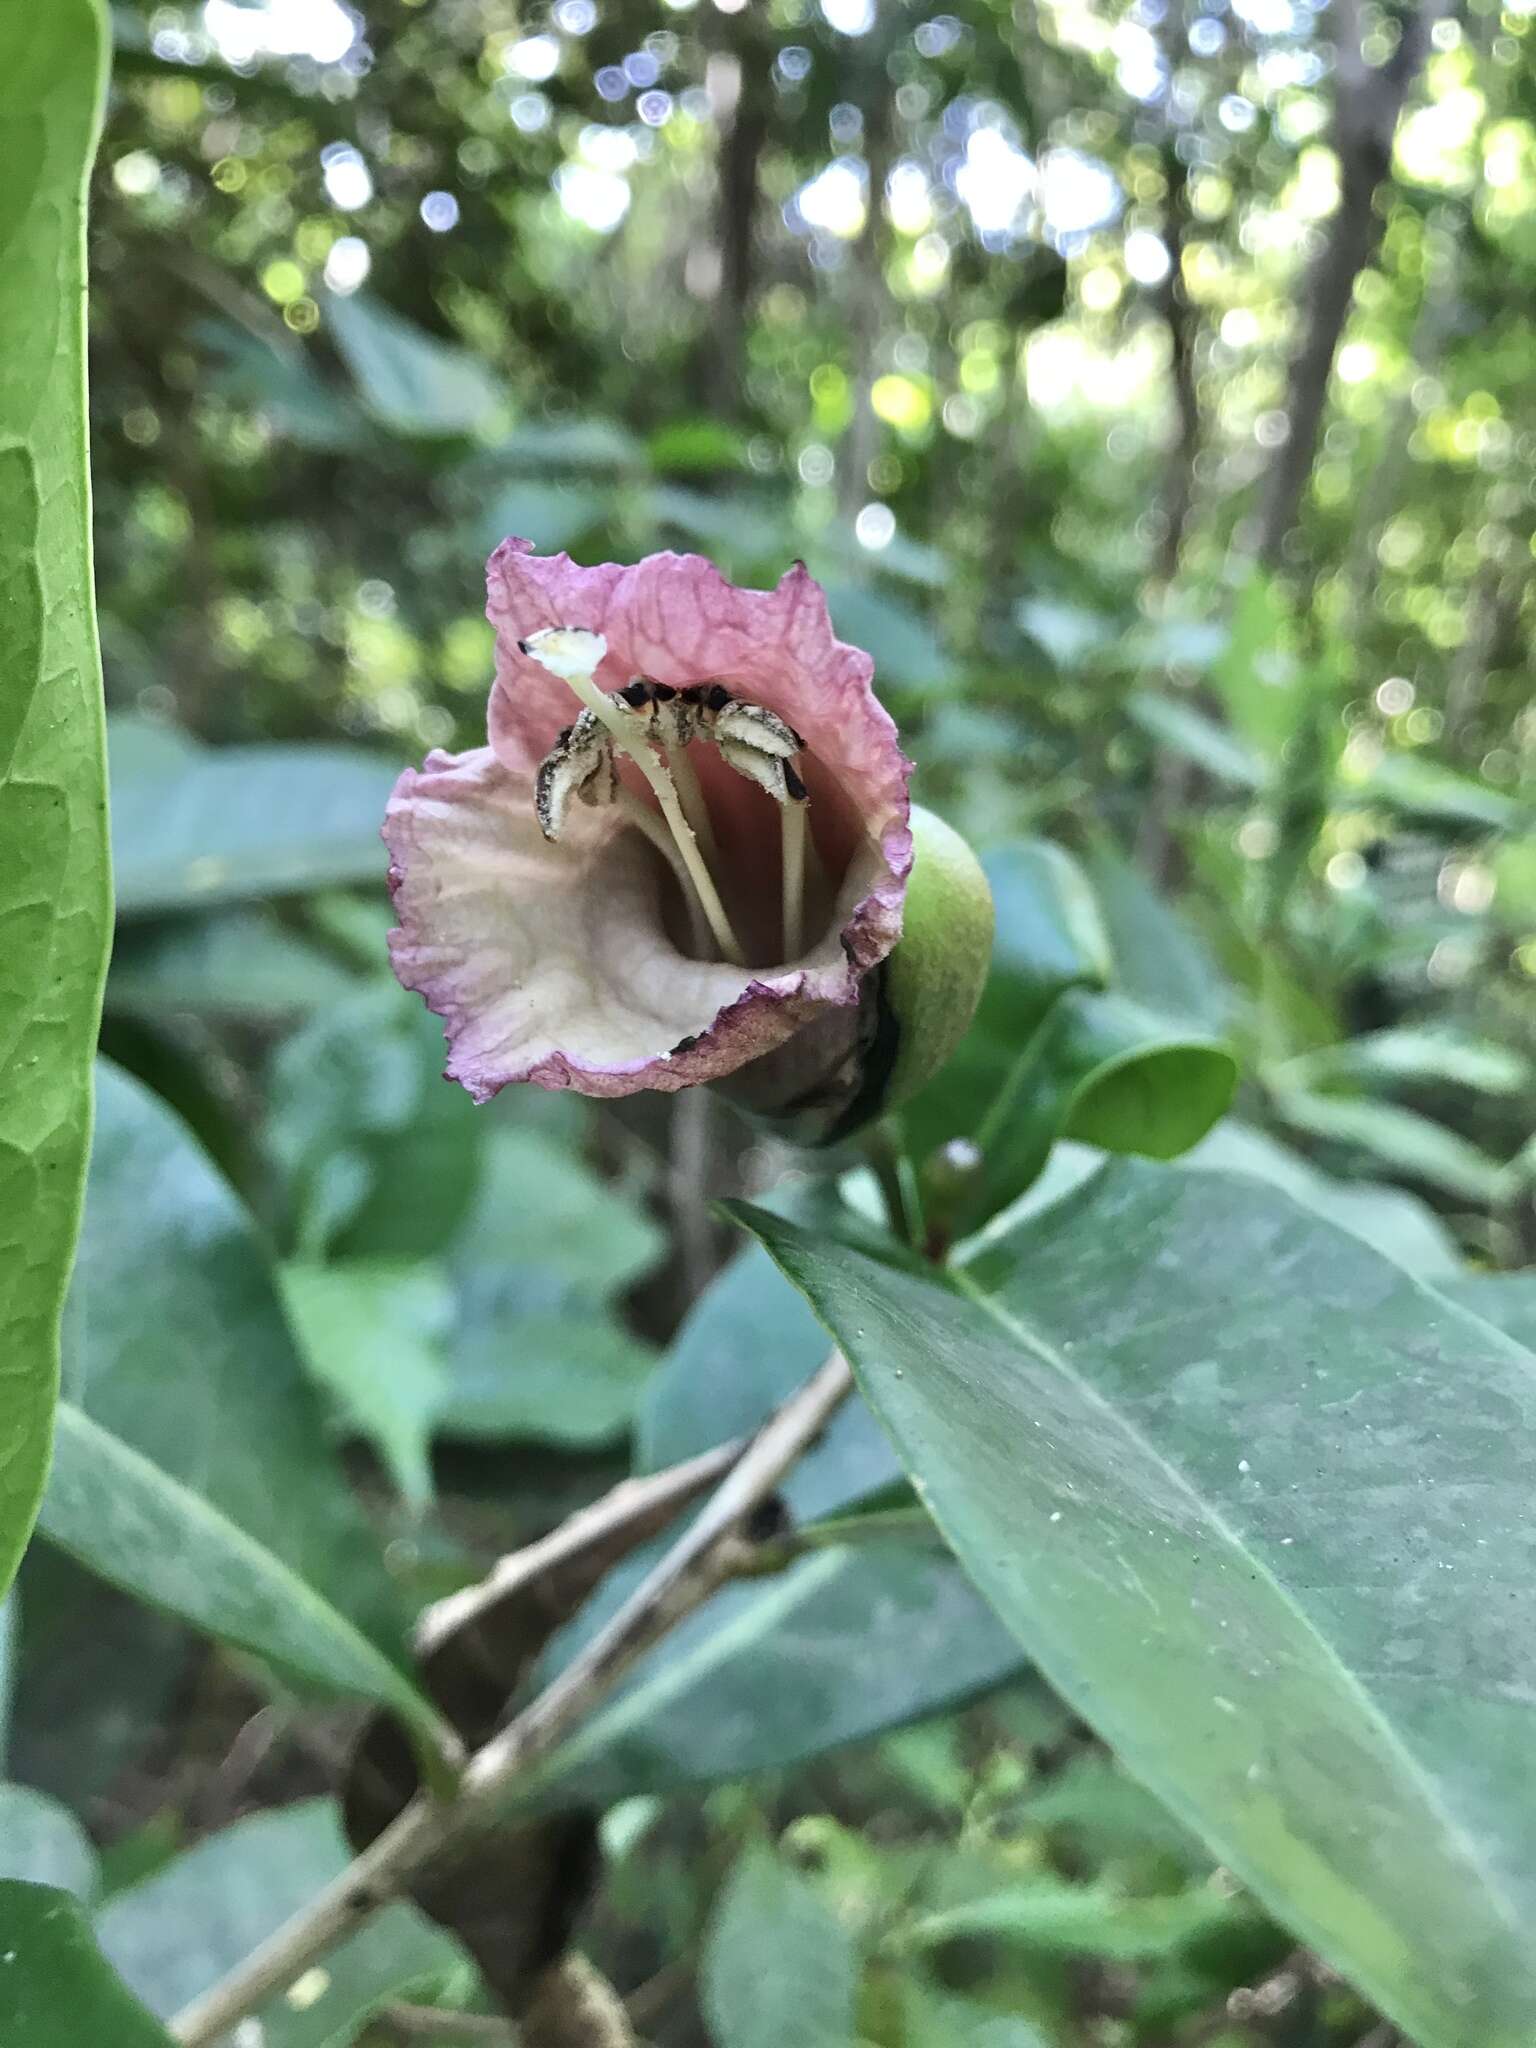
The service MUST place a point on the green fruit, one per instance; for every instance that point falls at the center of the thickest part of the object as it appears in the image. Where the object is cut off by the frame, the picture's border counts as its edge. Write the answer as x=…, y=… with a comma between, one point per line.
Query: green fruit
x=934, y=976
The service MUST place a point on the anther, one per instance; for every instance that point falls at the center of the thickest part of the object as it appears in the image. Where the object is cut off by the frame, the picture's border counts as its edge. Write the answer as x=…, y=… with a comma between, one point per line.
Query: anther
x=574, y=654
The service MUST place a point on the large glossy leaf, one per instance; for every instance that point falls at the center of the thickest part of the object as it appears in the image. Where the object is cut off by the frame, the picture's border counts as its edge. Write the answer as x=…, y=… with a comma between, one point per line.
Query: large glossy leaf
x=745, y=1345
x=1063, y=1044
x=141, y=1530
x=54, y=881
x=1507, y=1300
x=227, y=824
x=1259, y=1506
x=55, y=1990
x=1396, y=1223
x=778, y=1965
x=177, y=1347
x=764, y=1675
x=177, y=1932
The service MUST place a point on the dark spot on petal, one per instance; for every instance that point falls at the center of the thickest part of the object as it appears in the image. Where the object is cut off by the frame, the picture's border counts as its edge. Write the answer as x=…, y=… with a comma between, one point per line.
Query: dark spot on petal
x=683, y=1045
x=522, y=646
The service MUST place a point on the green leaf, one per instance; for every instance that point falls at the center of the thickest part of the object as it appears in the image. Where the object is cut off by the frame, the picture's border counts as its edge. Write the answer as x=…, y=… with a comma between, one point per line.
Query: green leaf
x=1050, y=933
x=1392, y=1221
x=537, y=1349
x=762, y=1675
x=278, y=381
x=1411, y=1054
x=1182, y=727
x=908, y=654
x=1049, y=1916
x=589, y=444
x=1436, y=795
x=939, y=2019
x=1283, y=1568
x=55, y=890
x=179, y=1348
x=1507, y=1300
x=139, y=1529
x=1159, y=960
x=97, y=1680
x=777, y=1966
x=233, y=823
x=409, y=380
x=745, y=1345
x=178, y=1931
x=1068, y=633
x=382, y=1158
x=55, y=1990
x=1400, y=1139
x=373, y=1332
x=1258, y=674
x=747, y=526
x=553, y=515
x=1103, y=1071
x=236, y=963
x=42, y=1842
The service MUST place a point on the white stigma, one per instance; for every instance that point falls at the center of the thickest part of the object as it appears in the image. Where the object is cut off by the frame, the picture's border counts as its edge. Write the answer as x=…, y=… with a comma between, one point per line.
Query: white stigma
x=569, y=652
x=573, y=654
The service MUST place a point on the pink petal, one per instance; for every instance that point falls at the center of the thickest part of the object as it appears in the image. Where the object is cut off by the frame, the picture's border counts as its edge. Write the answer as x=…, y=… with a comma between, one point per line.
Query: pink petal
x=551, y=963
x=677, y=619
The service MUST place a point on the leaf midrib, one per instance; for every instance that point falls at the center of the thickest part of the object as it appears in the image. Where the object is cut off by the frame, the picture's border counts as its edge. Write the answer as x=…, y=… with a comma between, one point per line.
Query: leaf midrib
x=1429, y=1793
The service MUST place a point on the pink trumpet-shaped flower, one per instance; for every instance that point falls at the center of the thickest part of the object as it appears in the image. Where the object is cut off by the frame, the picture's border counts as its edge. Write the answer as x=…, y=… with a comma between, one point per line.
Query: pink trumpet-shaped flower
x=579, y=962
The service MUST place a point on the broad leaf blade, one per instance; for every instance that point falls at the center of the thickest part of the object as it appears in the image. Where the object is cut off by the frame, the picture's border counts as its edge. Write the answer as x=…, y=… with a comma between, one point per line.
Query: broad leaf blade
x=777, y=1966
x=1284, y=1568
x=55, y=1990
x=178, y=1347
x=55, y=907
x=227, y=824
x=141, y=1530
x=762, y=1676
x=178, y=1931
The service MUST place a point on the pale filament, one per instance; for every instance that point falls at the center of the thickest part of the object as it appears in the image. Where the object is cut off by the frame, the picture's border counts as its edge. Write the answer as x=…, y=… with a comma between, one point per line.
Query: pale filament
x=684, y=834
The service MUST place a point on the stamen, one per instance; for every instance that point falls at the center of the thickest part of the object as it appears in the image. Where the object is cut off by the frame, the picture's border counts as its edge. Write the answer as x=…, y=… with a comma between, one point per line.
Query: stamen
x=793, y=833
x=645, y=820
x=574, y=654
x=757, y=743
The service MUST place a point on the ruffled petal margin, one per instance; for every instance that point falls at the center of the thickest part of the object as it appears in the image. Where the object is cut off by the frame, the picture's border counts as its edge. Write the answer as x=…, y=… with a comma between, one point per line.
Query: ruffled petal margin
x=552, y=963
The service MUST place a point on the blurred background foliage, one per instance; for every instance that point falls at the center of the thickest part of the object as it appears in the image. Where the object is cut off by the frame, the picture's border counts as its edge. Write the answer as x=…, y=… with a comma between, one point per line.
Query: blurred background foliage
x=1153, y=387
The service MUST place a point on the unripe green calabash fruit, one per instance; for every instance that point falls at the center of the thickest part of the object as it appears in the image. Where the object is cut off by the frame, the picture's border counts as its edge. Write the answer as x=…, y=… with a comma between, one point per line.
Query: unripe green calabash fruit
x=935, y=974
